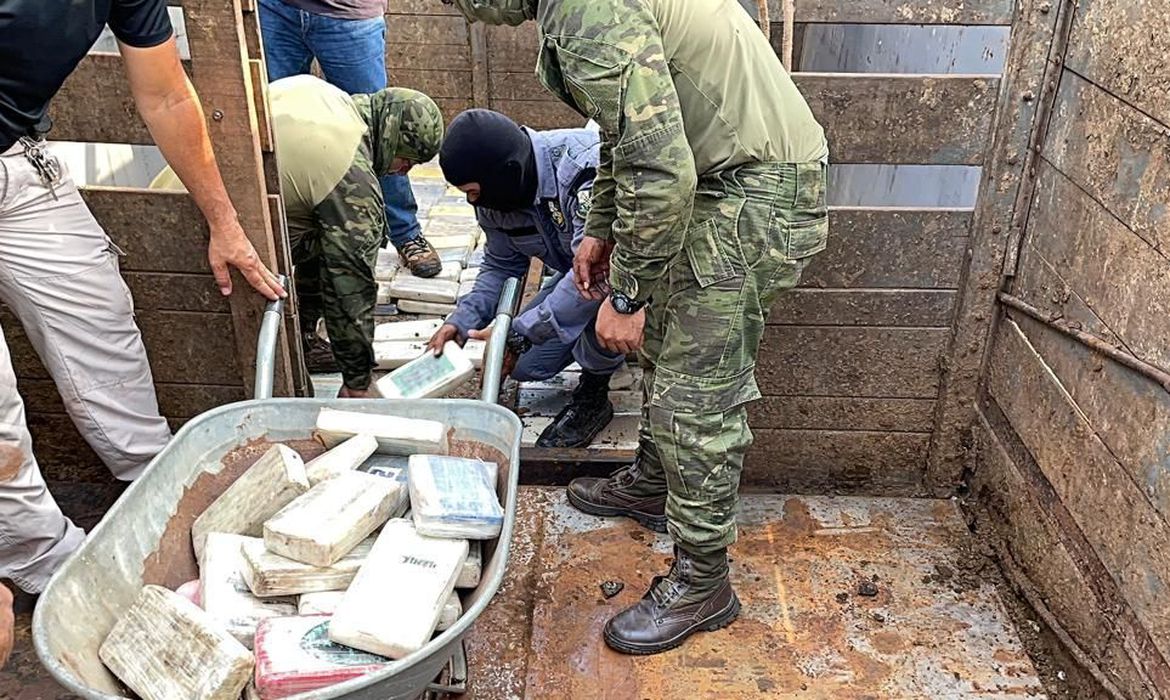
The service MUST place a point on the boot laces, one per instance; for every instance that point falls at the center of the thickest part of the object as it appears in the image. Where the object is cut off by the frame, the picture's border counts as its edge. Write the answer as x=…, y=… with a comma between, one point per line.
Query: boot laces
x=415, y=248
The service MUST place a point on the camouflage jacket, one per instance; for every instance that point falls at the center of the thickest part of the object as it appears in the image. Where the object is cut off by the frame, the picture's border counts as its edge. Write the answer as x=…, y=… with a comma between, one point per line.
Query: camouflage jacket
x=680, y=89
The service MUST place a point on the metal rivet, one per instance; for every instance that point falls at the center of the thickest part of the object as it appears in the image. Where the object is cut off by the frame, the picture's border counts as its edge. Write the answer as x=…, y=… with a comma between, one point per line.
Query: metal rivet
x=1045, y=8
x=217, y=115
x=1029, y=96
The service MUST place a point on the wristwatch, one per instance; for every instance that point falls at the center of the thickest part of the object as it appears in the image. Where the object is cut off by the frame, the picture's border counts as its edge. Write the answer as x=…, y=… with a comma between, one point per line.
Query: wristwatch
x=623, y=304
x=517, y=344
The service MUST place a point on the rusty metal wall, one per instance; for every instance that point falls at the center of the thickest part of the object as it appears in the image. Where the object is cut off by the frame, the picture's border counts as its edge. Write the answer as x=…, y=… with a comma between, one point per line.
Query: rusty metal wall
x=1072, y=454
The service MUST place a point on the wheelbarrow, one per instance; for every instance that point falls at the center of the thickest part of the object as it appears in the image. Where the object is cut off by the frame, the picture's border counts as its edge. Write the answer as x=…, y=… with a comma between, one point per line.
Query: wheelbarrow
x=126, y=550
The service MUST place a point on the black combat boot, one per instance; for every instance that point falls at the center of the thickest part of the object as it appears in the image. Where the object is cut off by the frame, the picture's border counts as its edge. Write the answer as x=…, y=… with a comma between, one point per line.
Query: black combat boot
x=695, y=596
x=318, y=354
x=589, y=411
x=628, y=491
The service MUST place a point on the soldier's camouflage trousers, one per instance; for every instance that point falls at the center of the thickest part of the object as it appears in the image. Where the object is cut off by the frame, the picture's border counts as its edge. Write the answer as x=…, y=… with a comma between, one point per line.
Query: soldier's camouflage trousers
x=753, y=230
x=335, y=252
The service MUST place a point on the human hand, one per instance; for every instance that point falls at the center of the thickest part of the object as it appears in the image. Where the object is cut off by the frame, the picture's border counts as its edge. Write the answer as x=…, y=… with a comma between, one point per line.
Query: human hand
x=591, y=267
x=620, y=332
x=229, y=247
x=447, y=332
x=510, y=358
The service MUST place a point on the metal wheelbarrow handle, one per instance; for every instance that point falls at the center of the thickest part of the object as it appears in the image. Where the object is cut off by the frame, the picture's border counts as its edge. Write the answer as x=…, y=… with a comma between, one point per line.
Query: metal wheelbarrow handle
x=493, y=363
x=266, y=345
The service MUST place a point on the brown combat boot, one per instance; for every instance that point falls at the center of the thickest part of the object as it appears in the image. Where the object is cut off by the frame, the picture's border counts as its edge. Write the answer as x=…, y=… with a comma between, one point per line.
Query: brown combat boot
x=319, y=354
x=626, y=492
x=421, y=257
x=696, y=596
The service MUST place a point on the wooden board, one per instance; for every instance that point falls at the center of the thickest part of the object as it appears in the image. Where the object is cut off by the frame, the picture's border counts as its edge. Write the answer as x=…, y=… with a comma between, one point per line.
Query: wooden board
x=850, y=361
x=161, y=291
x=903, y=118
x=841, y=413
x=539, y=114
x=434, y=57
x=864, y=307
x=416, y=7
x=930, y=244
x=1015, y=505
x=1127, y=533
x=1115, y=153
x=896, y=12
x=183, y=348
x=220, y=73
x=1006, y=178
x=869, y=118
x=829, y=462
x=173, y=216
x=436, y=83
x=427, y=29
x=174, y=400
x=98, y=86
x=1117, y=45
x=1124, y=280
x=1134, y=429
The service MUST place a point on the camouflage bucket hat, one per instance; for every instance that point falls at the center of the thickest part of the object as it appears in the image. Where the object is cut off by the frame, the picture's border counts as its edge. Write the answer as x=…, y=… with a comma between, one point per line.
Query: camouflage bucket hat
x=510, y=12
x=403, y=123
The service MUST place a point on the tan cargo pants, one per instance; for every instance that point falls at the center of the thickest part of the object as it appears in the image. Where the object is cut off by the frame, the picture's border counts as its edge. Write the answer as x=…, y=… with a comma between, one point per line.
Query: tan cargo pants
x=59, y=276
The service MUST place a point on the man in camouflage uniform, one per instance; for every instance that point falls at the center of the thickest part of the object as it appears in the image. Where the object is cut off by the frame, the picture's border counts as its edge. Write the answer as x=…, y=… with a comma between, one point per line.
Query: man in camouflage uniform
x=332, y=148
x=708, y=203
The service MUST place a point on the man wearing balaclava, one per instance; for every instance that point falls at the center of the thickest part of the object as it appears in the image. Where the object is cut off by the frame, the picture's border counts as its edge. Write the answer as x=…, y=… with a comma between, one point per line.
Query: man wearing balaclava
x=531, y=192
x=332, y=148
x=708, y=203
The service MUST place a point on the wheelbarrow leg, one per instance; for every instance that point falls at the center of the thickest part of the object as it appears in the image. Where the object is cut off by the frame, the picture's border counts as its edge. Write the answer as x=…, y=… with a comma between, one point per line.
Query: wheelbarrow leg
x=456, y=676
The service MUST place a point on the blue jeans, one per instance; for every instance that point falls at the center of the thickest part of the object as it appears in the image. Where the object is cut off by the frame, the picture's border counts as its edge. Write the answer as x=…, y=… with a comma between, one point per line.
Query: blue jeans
x=352, y=55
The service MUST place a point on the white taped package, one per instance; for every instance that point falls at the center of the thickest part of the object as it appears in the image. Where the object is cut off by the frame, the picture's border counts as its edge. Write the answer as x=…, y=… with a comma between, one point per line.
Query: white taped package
x=410, y=306
x=392, y=354
x=472, y=571
x=454, y=497
x=412, y=572
x=420, y=289
x=395, y=434
x=226, y=595
x=449, y=271
x=428, y=375
x=164, y=648
x=407, y=330
x=342, y=458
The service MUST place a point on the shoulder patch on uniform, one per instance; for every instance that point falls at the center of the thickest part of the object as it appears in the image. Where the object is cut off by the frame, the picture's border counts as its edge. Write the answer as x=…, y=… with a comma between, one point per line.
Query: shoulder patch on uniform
x=584, y=202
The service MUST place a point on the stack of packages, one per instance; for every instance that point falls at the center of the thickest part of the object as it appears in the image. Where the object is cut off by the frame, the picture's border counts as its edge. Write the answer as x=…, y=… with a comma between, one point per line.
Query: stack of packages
x=314, y=574
x=397, y=343
x=399, y=291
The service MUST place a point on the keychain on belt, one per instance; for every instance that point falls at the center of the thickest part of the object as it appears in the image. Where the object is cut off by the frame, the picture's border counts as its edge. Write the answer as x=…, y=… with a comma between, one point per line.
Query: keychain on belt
x=43, y=162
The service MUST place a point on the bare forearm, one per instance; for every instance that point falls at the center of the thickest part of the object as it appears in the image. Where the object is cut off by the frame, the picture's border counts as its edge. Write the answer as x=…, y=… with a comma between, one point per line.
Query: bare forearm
x=176, y=123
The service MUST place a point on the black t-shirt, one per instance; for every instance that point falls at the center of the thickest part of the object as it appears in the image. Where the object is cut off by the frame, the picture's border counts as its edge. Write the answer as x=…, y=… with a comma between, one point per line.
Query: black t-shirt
x=42, y=41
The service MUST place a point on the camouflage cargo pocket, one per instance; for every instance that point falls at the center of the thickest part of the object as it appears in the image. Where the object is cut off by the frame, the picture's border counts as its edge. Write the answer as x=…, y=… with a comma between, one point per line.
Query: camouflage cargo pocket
x=805, y=224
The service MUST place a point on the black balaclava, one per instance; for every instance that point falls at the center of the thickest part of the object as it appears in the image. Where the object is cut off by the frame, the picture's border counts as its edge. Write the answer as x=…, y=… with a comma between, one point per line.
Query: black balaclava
x=486, y=147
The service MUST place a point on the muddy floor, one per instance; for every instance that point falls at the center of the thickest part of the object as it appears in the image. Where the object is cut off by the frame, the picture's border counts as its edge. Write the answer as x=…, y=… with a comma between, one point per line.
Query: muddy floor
x=842, y=598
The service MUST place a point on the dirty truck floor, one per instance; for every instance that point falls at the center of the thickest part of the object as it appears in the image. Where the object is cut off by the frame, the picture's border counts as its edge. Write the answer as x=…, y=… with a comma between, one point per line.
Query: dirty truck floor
x=934, y=628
